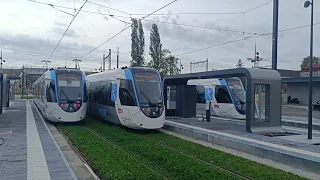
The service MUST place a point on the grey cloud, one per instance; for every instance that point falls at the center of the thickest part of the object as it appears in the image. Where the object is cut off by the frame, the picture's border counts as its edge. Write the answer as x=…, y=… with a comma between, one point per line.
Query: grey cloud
x=60, y=24
x=188, y=34
x=70, y=32
x=23, y=49
x=105, y=11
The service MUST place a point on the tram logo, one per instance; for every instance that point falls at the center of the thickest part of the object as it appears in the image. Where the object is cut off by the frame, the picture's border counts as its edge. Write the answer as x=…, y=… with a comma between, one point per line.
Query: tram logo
x=114, y=92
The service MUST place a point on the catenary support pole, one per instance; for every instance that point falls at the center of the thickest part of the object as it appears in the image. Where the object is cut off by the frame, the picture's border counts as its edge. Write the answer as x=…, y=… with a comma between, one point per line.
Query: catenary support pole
x=275, y=34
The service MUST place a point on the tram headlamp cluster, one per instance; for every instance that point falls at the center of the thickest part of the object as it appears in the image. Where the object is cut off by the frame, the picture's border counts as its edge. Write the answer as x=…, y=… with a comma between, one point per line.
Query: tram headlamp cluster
x=72, y=107
x=241, y=106
x=152, y=111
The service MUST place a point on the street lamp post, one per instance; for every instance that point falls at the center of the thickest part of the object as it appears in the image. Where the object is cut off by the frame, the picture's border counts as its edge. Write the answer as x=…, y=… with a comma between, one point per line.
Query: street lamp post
x=307, y=4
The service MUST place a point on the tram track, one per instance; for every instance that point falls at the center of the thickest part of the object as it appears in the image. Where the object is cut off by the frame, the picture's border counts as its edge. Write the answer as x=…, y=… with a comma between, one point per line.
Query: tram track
x=196, y=158
x=117, y=147
x=172, y=149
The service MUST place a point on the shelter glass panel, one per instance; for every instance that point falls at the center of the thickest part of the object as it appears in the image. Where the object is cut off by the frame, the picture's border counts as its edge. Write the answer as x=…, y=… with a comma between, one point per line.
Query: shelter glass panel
x=262, y=102
x=171, y=97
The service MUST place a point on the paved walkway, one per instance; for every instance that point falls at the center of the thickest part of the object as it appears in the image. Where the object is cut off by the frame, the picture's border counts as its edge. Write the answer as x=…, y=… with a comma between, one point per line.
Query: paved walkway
x=29, y=150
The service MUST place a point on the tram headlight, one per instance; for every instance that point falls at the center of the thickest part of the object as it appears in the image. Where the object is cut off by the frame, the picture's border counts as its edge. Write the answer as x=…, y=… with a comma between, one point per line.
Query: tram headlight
x=146, y=110
x=239, y=106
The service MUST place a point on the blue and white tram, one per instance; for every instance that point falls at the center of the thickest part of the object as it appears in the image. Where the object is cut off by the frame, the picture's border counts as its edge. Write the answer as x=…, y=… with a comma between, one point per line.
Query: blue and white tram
x=131, y=97
x=229, y=99
x=61, y=95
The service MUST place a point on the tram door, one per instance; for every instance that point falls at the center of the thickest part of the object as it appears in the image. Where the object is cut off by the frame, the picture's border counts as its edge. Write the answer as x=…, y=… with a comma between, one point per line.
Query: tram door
x=127, y=99
x=223, y=104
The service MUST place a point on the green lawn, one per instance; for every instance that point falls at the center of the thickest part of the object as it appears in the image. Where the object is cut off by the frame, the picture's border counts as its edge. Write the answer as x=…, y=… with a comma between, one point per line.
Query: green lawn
x=131, y=154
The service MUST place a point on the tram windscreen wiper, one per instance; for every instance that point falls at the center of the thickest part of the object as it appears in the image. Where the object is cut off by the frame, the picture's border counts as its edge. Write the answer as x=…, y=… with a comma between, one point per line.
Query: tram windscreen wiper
x=146, y=97
x=65, y=95
x=235, y=95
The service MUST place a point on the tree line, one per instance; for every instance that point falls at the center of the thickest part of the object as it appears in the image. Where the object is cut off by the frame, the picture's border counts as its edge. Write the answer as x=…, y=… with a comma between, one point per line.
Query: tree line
x=161, y=59
x=306, y=60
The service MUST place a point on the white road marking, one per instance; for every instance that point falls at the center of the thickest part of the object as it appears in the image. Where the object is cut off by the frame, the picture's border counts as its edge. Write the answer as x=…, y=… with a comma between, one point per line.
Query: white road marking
x=36, y=161
x=5, y=109
x=317, y=155
x=293, y=106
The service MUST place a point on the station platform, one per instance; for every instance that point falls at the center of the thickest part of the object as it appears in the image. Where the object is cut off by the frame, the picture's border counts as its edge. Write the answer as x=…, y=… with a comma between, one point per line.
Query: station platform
x=293, y=149
x=28, y=149
x=300, y=122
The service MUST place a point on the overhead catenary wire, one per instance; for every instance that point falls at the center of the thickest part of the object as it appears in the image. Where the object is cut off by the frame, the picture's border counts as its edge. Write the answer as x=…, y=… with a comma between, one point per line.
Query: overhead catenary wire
x=186, y=13
x=245, y=38
x=42, y=54
x=108, y=7
x=55, y=5
x=217, y=45
x=231, y=41
x=163, y=22
x=258, y=34
x=258, y=7
x=161, y=14
x=67, y=29
x=126, y=29
x=62, y=11
x=120, y=20
x=201, y=27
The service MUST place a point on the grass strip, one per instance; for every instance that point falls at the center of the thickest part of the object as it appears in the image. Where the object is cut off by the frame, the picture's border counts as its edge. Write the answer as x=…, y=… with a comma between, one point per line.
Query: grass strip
x=143, y=145
x=237, y=164
x=168, y=164
x=106, y=161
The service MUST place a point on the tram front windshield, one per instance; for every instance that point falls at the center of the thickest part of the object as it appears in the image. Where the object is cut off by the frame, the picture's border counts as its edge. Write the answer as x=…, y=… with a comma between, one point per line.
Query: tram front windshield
x=236, y=90
x=148, y=89
x=69, y=87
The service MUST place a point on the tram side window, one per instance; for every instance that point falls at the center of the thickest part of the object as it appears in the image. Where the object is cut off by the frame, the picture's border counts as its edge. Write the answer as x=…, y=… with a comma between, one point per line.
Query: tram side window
x=94, y=88
x=51, y=91
x=108, y=94
x=126, y=93
x=101, y=93
x=38, y=93
x=91, y=91
x=42, y=92
x=85, y=93
x=96, y=93
x=200, y=95
x=222, y=95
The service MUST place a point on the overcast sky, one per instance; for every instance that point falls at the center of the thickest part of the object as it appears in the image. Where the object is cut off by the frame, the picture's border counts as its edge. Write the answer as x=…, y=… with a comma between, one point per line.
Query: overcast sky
x=30, y=31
